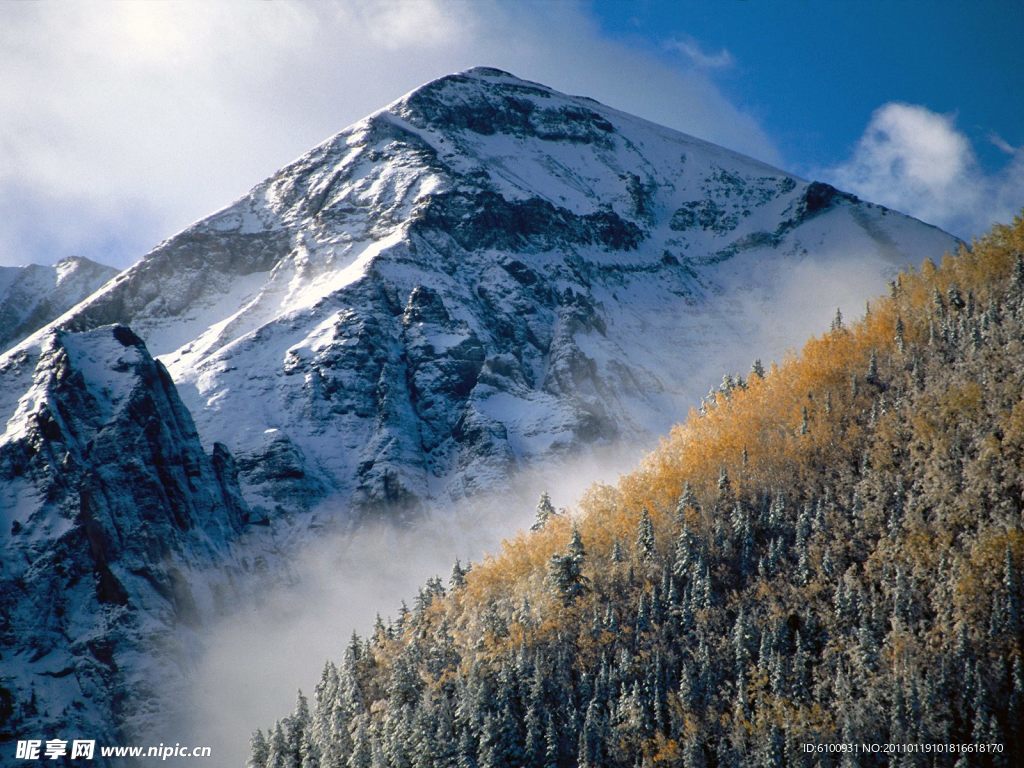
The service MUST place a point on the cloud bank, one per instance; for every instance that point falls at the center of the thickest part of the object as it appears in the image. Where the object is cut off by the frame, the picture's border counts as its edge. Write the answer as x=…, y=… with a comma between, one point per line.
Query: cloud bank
x=918, y=162
x=123, y=123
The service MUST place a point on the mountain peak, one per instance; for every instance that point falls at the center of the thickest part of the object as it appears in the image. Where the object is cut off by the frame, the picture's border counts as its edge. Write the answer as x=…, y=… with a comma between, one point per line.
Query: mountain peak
x=79, y=261
x=543, y=223
x=491, y=73
x=487, y=76
x=32, y=296
x=489, y=101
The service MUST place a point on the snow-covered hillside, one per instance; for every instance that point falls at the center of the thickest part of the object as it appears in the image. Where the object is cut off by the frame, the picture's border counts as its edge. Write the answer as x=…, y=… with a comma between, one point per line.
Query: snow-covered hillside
x=32, y=296
x=483, y=277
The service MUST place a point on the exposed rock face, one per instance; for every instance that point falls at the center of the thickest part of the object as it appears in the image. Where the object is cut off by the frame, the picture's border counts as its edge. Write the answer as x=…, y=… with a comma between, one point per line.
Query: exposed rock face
x=108, y=501
x=32, y=296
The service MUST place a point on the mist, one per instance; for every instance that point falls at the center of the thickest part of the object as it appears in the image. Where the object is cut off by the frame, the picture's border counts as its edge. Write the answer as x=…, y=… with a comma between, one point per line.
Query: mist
x=254, y=660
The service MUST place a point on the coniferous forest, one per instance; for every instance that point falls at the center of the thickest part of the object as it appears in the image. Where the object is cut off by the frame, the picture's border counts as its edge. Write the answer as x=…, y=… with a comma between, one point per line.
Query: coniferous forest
x=830, y=552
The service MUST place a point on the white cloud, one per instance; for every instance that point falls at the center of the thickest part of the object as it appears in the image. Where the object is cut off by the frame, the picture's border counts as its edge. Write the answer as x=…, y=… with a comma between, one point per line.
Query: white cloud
x=916, y=161
x=1002, y=144
x=699, y=57
x=121, y=123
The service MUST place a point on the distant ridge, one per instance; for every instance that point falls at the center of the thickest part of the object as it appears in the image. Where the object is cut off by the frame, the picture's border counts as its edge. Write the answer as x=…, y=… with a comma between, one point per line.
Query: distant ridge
x=32, y=296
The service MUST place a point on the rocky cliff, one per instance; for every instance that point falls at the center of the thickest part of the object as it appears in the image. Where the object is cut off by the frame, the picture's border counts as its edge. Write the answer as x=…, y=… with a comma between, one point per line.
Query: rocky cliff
x=107, y=503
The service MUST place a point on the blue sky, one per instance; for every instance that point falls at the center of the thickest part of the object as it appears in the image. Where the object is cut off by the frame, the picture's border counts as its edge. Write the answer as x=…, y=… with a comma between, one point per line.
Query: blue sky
x=123, y=122
x=814, y=72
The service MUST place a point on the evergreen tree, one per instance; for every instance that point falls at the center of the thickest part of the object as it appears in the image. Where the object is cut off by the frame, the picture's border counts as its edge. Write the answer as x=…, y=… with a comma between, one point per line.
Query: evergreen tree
x=458, y=577
x=552, y=748
x=309, y=752
x=684, y=554
x=618, y=555
x=1015, y=705
x=445, y=743
x=742, y=638
x=872, y=374
x=421, y=731
x=534, y=743
x=643, y=615
x=467, y=751
x=837, y=321
x=593, y=737
x=576, y=549
x=297, y=728
x=693, y=754
x=278, y=754
x=955, y=298
x=724, y=486
x=545, y=511
x=645, y=537
x=566, y=570
x=1012, y=586
x=362, y=751
x=259, y=750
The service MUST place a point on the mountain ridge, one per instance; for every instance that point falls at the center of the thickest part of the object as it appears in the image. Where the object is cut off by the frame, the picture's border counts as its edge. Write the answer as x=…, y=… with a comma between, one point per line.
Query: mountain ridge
x=34, y=295
x=100, y=559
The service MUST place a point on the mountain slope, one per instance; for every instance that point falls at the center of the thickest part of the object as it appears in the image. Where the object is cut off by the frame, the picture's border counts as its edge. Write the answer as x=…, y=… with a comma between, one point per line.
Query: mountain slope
x=831, y=554
x=481, y=276
x=32, y=296
x=108, y=503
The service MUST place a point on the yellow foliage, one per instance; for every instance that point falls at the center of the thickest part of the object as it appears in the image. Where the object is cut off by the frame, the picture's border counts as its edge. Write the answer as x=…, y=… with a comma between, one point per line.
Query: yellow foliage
x=667, y=752
x=982, y=572
x=763, y=419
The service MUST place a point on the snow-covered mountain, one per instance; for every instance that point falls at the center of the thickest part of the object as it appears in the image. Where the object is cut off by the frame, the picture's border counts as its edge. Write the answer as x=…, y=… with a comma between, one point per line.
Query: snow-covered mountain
x=108, y=503
x=32, y=296
x=483, y=273
x=484, y=276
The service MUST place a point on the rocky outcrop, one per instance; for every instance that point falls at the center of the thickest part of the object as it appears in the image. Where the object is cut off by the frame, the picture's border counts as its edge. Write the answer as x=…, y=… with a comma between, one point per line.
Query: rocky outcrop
x=109, y=503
